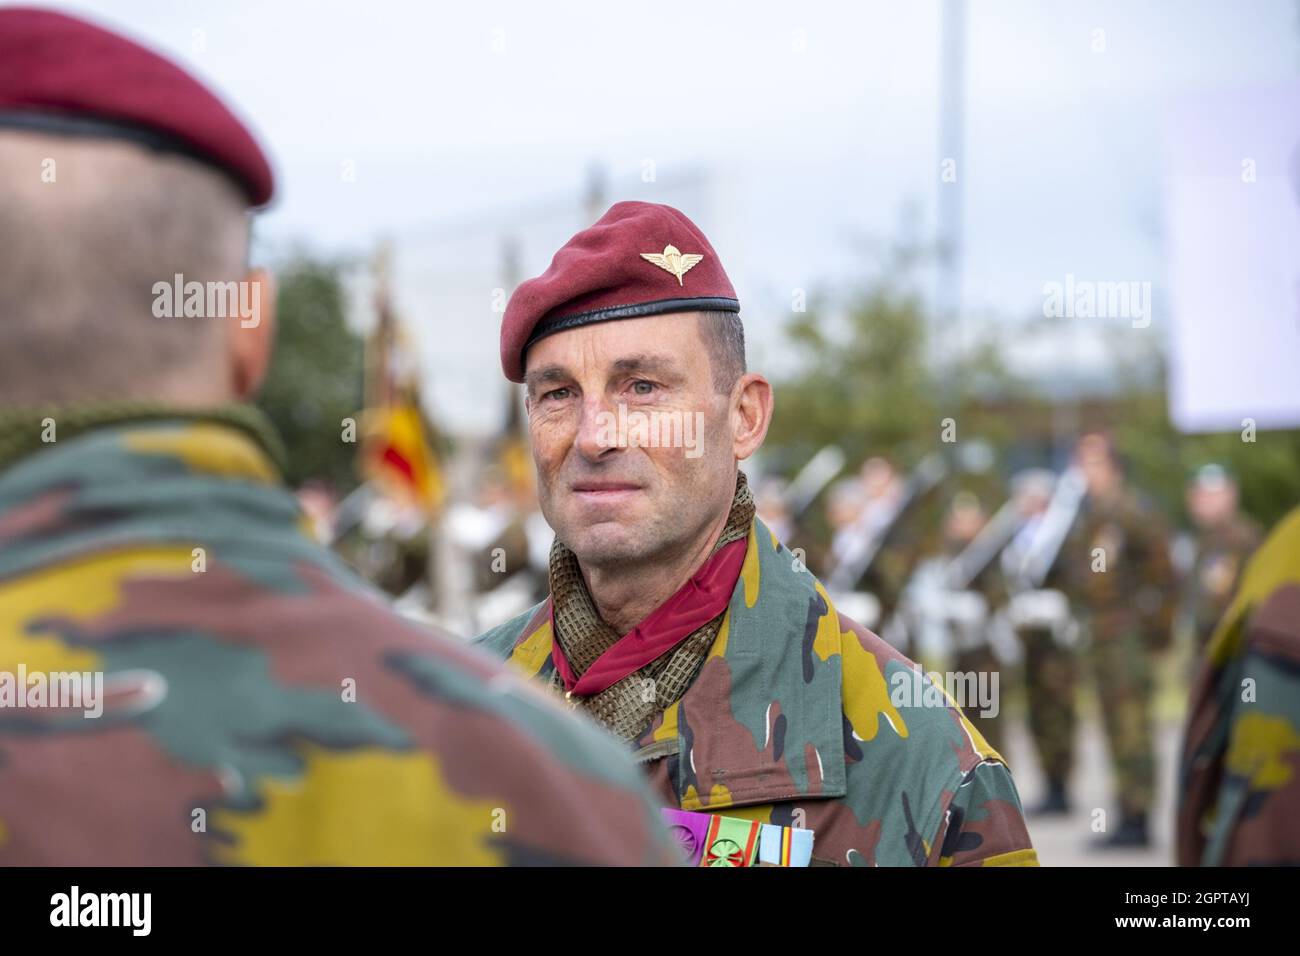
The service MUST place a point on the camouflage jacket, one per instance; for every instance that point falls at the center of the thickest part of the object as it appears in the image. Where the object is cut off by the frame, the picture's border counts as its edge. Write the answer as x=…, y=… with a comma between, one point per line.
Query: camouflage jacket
x=1221, y=554
x=797, y=717
x=1118, y=569
x=259, y=704
x=1241, y=759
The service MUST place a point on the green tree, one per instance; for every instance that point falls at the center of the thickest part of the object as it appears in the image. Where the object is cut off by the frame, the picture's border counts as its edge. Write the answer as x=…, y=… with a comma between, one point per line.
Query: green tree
x=865, y=387
x=315, y=379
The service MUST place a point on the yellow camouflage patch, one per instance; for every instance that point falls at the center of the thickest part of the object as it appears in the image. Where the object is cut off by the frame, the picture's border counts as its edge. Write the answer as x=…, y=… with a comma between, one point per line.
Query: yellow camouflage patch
x=719, y=648
x=719, y=797
x=362, y=808
x=828, y=639
x=79, y=589
x=866, y=695
x=206, y=449
x=1027, y=857
x=1259, y=749
x=668, y=727
x=531, y=653
x=749, y=571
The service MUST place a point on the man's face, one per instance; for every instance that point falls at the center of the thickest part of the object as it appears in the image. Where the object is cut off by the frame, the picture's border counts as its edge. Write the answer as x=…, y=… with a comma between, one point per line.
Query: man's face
x=878, y=477
x=1100, y=472
x=1212, y=504
x=633, y=446
x=1032, y=503
x=963, y=523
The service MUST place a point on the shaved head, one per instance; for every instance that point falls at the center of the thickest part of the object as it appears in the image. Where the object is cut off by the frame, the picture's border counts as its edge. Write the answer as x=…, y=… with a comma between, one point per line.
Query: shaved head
x=88, y=226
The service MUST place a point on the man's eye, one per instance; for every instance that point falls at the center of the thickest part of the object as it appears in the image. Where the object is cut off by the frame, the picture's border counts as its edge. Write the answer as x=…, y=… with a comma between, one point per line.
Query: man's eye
x=643, y=388
x=556, y=394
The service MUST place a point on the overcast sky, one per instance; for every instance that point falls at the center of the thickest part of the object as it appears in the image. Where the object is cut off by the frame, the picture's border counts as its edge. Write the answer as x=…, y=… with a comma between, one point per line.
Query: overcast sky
x=816, y=123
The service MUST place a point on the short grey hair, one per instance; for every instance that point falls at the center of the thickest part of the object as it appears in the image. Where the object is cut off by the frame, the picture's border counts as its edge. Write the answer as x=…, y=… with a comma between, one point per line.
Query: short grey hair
x=724, y=336
x=88, y=227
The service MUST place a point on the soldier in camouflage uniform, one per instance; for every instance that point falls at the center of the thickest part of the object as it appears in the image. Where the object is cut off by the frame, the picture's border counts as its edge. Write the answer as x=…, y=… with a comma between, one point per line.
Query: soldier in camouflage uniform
x=1120, y=573
x=676, y=618
x=1043, y=628
x=1240, y=775
x=1225, y=540
x=970, y=608
x=884, y=514
x=185, y=676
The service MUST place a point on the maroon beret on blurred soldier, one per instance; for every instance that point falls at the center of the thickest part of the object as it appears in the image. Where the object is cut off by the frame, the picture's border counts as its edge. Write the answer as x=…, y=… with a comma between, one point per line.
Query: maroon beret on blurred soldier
x=639, y=259
x=62, y=74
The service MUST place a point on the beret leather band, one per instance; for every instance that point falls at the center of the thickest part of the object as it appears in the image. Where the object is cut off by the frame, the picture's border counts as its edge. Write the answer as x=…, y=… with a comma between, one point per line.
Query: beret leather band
x=549, y=325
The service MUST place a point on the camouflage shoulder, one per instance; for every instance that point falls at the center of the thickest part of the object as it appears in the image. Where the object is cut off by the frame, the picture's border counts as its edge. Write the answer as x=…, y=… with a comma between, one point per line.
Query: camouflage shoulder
x=1274, y=566
x=921, y=711
x=501, y=640
x=956, y=794
x=984, y=824
x=572, y=792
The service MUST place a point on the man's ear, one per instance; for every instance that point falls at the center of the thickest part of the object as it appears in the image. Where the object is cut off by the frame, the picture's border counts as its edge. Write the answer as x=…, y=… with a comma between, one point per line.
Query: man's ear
x=752, y=414
x=252, y=334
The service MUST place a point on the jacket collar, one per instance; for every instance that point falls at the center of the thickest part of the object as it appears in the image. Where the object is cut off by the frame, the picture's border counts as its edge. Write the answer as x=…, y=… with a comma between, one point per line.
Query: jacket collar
x=165, y=480
x=763, y=720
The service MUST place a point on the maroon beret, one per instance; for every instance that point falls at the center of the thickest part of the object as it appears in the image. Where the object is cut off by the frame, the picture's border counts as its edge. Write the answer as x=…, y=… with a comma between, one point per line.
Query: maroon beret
x=640, y=259
x=62, y=74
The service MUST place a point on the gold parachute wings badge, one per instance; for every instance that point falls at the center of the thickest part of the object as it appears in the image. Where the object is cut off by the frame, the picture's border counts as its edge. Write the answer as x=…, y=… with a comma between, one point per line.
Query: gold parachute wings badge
x=673, y=261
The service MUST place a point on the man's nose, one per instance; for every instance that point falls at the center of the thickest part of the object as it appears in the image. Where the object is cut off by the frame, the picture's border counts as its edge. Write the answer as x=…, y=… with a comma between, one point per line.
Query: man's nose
x=597, y=436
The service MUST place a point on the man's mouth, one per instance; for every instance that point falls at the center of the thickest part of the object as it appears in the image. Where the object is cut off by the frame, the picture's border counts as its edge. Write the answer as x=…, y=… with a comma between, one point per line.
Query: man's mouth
x=604, y=491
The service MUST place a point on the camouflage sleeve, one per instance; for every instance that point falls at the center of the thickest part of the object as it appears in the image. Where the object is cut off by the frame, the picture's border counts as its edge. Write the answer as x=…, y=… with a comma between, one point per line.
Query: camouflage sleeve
x=501, y=640
x=1260, y=790
x=984, y=824
x=1239, y=788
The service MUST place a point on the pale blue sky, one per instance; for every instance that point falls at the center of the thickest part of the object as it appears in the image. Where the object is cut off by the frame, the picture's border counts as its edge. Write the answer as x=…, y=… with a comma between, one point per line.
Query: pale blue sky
x=818, y=122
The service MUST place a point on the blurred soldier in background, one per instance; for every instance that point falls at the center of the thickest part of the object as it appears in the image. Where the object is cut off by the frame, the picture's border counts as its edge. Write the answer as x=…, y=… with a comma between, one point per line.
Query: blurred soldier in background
x=876, y=551
x=1040, y=614
x=251, y=701
x=969, y=595
x=771, y=506
x=844, y=500
x=1223, y=543
x=1239, y=789
x=1121, y=577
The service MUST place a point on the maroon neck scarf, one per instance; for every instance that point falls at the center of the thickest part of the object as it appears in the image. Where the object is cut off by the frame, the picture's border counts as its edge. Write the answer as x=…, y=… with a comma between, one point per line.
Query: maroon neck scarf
x=695, y=603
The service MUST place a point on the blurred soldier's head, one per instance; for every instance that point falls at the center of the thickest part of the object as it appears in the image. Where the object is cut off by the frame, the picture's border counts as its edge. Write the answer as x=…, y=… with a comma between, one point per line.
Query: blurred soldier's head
x=639, y=403
x=1096, y=457
x=770, y=503
x=1212, y=496
x=844, y=503
x=879, y=477
x=964, y=519
x=1032, y=490
x=109, y=188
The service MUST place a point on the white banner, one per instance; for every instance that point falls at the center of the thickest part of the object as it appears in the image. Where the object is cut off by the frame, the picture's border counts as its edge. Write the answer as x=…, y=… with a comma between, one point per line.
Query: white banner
x=1232, y=219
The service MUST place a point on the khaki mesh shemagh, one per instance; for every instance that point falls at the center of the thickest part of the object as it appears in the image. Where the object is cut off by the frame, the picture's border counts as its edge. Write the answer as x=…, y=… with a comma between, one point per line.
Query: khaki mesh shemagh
x=626, y=708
